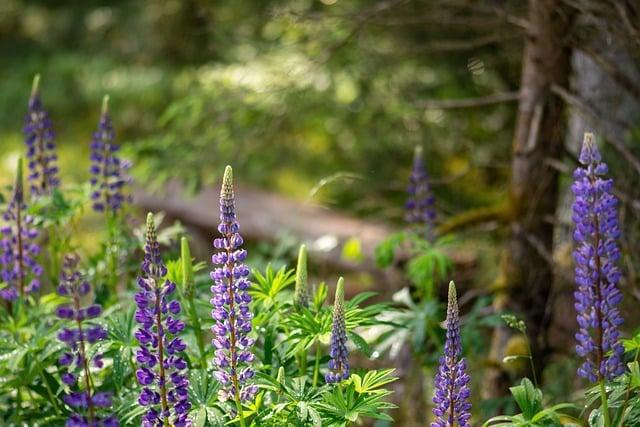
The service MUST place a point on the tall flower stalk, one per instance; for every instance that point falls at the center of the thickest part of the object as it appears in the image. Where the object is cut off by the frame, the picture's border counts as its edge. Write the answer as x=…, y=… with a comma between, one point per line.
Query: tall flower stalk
x=41, y=148
x=108, y=171
x=162, y=371
x=596, y=274
x=301, y=298
x=18, y=251
x=339, y=362
x=451, y=398
x=420, y=212
x=188, y=289
x=301, y=293
x=230, y=302
x=79, y=337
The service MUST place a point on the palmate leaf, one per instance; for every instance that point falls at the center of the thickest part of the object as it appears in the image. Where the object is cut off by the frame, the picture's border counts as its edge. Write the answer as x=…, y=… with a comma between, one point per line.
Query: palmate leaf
x=529, y=400
x=373, y=381
x=267, y=289
x=340, y=407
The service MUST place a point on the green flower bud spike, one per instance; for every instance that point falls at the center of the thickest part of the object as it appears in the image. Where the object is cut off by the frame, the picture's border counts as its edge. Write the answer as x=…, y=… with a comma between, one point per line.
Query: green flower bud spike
x=301, y=296
x=187, y=266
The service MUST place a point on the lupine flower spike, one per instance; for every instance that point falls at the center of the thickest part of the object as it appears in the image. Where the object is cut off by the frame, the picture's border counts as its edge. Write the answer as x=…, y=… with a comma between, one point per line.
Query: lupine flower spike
x=451, y=399
x=41, y=149
x=596, y=274
x=161, y=369
x=301, y=294
x=339, y=363
x=18, y=251
x=230, y=302
x=108, y=171
x=79, y=336
x=419, y=206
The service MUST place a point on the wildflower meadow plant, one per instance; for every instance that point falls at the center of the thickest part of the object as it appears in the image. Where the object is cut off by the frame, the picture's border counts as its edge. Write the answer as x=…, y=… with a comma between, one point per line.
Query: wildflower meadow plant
x=90, y=407
x=301, y=293
x=233, y=354
x=108, y=171
x=419, y=206
x=451, y=399
x=162, y=370
x=596, y=253
x=41, y=148
x=339, y=363
x=18, y=248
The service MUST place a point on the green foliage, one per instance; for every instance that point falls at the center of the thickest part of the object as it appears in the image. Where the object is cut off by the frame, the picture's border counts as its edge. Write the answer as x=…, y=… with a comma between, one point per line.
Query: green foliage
x=529, y=400
x=427, y=265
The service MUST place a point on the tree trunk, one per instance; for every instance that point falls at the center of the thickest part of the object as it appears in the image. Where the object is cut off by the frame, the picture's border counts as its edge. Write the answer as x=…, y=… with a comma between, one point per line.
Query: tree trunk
x=526, y=275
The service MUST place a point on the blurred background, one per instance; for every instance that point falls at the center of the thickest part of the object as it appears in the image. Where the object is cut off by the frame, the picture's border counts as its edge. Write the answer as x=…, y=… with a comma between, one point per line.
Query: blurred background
x=318, y=105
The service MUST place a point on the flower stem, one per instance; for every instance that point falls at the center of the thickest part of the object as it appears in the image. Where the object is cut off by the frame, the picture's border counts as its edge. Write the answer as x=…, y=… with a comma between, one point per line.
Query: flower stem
x=533, y=368
x=303, y=362
x=605, y=405
x=239, y=408
x=316, y=369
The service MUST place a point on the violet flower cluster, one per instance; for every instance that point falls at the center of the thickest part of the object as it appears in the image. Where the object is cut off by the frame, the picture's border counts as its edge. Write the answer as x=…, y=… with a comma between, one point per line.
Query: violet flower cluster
x=339, y=362
x=162, y=371
x=451, y=398
x=230, y=301
x=41, y=149
x=108, y=171
x=19, y=268
x=596, y=274
x=79, y=336
x=420, y=204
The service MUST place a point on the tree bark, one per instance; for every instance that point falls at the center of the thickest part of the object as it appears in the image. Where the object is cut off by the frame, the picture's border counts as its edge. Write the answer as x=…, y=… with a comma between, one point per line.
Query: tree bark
x=526, y=276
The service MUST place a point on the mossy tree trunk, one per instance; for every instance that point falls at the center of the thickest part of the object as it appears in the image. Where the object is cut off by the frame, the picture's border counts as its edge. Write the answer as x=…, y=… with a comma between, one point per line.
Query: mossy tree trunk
x=526, y=274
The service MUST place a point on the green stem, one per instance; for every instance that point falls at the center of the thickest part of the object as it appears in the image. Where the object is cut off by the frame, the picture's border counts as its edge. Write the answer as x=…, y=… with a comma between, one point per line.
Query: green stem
x=198, y=331
x=54, y=401
x=605, y=404
x=316, y=369
x=239, y=408
x=533, y=368
x=303, y=362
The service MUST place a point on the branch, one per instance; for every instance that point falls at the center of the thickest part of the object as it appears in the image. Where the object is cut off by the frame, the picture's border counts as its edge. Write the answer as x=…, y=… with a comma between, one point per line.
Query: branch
x=594, y=115
x=473, y=217
x=360, y=22
x=462, y=45
x=612, y=70
x=449, y=104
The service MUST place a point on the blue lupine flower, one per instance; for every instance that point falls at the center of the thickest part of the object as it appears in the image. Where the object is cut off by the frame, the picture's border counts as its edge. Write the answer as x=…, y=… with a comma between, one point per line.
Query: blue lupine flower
x=339, y=363
x=19, y=268
x=41, y=149
x=451, y=398
x=231, y=304
x=161, y=369
x=79, y=336
x=597, y=296
x=108, y=171
x=420, y=211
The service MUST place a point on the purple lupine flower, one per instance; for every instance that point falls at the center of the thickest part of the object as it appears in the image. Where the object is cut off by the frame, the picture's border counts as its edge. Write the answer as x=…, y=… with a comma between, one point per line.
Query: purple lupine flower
x=108, y=171
x=79, y=335
x=451, y=398
x=597, y=295
x=339, y=363
x=41, y=149
x=162, y=371
x=419, y=206
x=231, y=304
x=19, y=268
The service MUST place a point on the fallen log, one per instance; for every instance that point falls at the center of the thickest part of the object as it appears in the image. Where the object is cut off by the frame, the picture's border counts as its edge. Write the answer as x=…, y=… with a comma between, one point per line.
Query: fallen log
x=265, y=216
